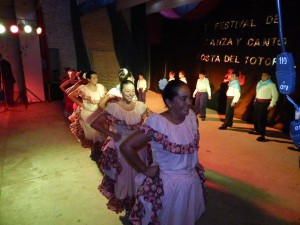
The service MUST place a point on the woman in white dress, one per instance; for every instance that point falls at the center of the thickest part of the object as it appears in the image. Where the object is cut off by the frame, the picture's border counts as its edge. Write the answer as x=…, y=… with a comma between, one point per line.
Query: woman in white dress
x=88, y=97
x=125, y=116
x=171, y=190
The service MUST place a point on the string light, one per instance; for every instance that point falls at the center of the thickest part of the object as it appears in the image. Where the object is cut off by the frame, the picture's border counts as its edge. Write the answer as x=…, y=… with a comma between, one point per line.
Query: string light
x=14, y=29
x=39, y=30
x=2, y=29
x=22, y=25
x=27, y=29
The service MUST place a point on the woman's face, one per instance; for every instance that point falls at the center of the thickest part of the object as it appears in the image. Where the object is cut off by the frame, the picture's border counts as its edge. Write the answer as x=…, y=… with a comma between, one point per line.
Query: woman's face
x=93, y=79
x=181, y=104
x=128, y=92
x=72, y=75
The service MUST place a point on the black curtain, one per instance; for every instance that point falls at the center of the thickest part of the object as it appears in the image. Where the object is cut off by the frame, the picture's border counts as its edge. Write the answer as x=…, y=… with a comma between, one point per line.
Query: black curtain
x=82, y=58
x=46, y=70
x=129, y=52
x=139, y=34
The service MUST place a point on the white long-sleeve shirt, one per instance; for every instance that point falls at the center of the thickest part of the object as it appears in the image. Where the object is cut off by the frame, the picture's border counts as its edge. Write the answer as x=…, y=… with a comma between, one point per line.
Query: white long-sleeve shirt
x=203, y=86
x=141, y=84
x=267, y=90
x=234, y=91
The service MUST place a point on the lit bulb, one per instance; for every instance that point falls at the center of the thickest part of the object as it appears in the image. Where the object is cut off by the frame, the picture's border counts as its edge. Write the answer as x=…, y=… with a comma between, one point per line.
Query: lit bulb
x=14, y=29
x=38, y=30
x=2, y=29
x=27, y=28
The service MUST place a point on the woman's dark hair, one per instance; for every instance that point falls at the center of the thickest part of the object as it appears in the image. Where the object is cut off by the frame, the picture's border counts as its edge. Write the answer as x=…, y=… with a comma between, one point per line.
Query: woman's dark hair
x=67, y=69
x=89, y=74
x=124, y=82
x=124, y=74
x=171, y=89
x=80, y=73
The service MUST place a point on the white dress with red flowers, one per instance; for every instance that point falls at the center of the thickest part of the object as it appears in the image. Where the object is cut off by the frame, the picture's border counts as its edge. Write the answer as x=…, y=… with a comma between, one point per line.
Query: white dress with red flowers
x=88, y=136
x=175, y=196
x=118, y=184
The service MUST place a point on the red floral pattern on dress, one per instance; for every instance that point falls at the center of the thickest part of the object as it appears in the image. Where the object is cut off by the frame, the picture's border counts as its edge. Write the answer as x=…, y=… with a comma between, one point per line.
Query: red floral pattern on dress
x=152, y=191
x=149, y=157
x=78, y=132
x=75, y=115
x=117, y=205
x=111, y=119
x=152, y=188
x=110, y=160
x=88, y=98
x=170, y=146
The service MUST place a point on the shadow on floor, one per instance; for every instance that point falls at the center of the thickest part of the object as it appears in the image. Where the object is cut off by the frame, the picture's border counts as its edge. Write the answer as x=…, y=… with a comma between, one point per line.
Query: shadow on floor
x=232, y=202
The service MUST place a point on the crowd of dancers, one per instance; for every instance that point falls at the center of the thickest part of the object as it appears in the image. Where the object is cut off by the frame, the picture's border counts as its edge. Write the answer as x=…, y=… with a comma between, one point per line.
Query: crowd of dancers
x=149, y=161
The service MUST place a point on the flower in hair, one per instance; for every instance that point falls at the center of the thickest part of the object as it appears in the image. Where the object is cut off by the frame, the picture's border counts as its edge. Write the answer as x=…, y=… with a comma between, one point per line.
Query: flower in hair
x=162, y=84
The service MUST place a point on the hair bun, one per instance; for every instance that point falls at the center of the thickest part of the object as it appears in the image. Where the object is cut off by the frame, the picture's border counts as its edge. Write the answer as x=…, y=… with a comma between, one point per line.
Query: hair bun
x=125, y=71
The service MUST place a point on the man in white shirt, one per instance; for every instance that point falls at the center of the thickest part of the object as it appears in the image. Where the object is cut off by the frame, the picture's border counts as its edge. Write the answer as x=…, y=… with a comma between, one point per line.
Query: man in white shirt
x=233, y=95
x=265, y=99
x=171, y=75
x=141, y=88
x=182, y=76
x=202, y=93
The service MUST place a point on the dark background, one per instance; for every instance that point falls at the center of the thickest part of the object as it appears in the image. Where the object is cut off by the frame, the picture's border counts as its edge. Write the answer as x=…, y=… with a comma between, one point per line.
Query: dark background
x=179, y=43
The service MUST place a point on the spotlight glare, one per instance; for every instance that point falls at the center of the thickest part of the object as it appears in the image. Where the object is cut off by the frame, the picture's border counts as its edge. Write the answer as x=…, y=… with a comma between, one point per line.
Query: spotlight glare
x=27, y=28
x=39, y=30
x=2, y=29
x=14, y=29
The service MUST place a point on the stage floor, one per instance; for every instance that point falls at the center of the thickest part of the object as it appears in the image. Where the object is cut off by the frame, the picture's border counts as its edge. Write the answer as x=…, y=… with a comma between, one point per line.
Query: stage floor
x=47, y=178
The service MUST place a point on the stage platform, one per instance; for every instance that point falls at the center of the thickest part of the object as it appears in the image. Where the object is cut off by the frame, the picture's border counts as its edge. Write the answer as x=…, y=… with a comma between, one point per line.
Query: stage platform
x=47, y=178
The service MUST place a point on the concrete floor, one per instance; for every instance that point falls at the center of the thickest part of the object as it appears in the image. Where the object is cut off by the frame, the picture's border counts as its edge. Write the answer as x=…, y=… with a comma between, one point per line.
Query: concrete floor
x=47, y=178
